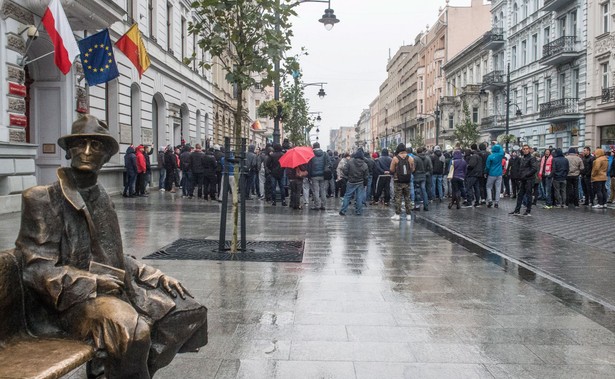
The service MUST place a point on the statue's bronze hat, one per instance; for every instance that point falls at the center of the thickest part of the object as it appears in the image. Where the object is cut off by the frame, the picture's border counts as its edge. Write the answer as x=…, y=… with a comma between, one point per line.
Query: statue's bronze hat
x=91, y=127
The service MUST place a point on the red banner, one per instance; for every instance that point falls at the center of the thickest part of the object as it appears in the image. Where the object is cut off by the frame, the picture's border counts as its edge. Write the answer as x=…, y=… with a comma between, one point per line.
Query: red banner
x=17, y=89
x=18, y=120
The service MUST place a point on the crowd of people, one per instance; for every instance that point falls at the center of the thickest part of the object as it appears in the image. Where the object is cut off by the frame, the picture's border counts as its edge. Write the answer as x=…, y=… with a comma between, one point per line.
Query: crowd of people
x=412, y=179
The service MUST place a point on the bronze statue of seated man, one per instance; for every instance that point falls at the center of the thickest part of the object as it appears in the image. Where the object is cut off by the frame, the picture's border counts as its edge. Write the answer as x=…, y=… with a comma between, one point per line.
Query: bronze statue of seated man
x=81, y=282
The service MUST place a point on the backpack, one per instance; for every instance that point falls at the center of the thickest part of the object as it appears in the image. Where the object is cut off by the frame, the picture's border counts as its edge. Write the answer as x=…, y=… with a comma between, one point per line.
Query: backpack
x=402, y=170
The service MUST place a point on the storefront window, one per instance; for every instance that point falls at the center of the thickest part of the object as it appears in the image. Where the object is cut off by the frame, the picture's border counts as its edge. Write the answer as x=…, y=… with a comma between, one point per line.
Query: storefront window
x=607, y=137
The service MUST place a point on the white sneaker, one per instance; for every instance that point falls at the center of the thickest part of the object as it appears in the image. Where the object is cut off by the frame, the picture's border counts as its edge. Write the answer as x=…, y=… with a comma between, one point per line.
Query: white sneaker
x=597, y=206
x=161, y=190
x=395, y=217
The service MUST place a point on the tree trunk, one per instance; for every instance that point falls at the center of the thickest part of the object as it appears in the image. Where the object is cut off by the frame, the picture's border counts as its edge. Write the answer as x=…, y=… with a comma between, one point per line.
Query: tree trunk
x=236, y=168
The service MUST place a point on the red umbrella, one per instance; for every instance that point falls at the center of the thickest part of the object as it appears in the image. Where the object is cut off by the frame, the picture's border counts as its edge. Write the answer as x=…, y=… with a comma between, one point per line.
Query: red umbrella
x=296, y=156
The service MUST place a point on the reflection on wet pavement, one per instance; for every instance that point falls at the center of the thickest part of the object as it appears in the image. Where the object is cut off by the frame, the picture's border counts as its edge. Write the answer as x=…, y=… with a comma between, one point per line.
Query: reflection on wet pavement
x=372, y=299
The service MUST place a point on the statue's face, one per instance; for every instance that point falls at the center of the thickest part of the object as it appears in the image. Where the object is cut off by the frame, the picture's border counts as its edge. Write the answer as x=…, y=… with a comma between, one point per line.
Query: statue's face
x=88, y=154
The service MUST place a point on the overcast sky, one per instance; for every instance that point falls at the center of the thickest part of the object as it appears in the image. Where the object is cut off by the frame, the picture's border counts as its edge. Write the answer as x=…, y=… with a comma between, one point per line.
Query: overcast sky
x=352, y=57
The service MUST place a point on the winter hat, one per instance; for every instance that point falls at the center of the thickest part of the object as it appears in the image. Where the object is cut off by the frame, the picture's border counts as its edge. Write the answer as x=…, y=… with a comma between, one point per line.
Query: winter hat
x=437, y=148
x=572, y=150
x=474, y=146
x=374, y=155
x=401, y=147
x=216, y=147
x=359, y=153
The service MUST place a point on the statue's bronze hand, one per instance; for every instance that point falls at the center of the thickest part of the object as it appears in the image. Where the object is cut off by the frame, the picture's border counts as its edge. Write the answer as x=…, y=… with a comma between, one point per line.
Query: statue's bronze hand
x=174, y=287
x=108, y=284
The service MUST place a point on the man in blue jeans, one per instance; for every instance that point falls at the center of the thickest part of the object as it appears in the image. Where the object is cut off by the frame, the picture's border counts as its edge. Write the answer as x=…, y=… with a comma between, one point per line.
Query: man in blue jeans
x=438, y=164
x=356, y=172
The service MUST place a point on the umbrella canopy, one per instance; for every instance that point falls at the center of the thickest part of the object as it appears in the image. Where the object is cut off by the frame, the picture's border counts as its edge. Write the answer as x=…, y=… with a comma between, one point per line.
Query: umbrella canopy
x=296, y=156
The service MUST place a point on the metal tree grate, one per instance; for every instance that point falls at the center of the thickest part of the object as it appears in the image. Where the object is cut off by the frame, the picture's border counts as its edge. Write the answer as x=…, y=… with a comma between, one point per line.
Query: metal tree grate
x=257, y=251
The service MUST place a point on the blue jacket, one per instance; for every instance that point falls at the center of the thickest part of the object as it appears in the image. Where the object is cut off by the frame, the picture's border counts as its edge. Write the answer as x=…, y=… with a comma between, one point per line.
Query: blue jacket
x=460, y=166
x=318, y=163
x=560, y=166
x=493, y=166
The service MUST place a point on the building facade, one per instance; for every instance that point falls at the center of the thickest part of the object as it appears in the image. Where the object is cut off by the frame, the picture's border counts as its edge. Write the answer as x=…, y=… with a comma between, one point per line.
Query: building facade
x=600, y=103
x=173, y=101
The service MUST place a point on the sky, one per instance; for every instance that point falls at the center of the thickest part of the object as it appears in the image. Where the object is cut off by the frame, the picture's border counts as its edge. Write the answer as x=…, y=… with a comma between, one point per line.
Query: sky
x=352, y=57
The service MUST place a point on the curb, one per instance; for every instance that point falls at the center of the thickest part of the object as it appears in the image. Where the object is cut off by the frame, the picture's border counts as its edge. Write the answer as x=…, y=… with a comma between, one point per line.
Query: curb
x=594, y=308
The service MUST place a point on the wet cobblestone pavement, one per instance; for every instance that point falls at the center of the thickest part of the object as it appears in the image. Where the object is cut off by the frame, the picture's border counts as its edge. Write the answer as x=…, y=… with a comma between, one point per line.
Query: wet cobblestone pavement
x=373, y=298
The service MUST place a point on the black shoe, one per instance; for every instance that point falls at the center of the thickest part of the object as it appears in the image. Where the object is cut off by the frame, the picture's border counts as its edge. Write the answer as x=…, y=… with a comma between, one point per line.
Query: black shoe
x=386, y=204
x=496, y=205
x=322, y=208
x=490, y=204
x=458, y=206
x=527, y=213
x=450, y=205
x=273, y=203
x=426, y=209
x=284, y=204
x=342, y=213
x=515, y=213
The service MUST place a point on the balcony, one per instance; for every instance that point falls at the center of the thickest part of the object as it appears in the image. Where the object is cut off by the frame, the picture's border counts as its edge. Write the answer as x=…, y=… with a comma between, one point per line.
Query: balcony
x=494, y=39
x=492, y=123
x=561, y=110
x=561, y=50
x=470, y=89
x=494, y=80
x=555, y=5
x=608, y=95
x=448, y=100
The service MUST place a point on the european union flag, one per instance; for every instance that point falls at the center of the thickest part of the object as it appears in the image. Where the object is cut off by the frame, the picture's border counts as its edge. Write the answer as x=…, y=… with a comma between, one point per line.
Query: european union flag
x=97, y=57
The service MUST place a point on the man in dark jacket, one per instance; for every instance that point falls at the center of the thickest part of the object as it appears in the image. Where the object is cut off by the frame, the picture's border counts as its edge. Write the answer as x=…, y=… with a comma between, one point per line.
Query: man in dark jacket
x=210, y=168
x=527, y=172
x=420, y=177
x=170, y=165
x=318, y=167
x=560, y=172
x=218, y=154
x=383, y=177
x=586, y=176
x=186, y=181
x=277, y=173
x=130, y=164
x=474, y=173
x=484, y=154
x=161, y=171
x=370, y=170
x=438, y=163
x=356, y=172
x=513, y=169
x=252, y=167
x=198, y=171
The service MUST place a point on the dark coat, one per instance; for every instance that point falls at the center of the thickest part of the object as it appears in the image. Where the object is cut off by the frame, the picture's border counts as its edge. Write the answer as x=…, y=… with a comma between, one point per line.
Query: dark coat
x=196, y=162
x=528, y=167
x=475, y=165
x=130, y=161
x=560, y=166
x=356, y=171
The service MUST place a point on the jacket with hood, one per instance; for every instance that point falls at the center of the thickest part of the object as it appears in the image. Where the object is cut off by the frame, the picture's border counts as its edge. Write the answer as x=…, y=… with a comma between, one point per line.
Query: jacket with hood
x=196, y=162
x=560, y=166
x=355, y=170
x=426, y=163
x=251, y=159
x=460, y=166
x=210, y=166
x=318, y=163
x=514, y=167
x=383, y=163
x=484, y=154
x=170, y=162
x=600, y=166
x=420, y=172
x=370, y=164
x=475, y=165
x=438, y=162
x=130, y=161
x=141, y=164
x=493, y=166
x=273, y=162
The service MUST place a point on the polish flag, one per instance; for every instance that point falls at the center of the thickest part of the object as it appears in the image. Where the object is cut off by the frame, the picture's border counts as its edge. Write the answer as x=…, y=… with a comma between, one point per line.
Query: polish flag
x=61, y=35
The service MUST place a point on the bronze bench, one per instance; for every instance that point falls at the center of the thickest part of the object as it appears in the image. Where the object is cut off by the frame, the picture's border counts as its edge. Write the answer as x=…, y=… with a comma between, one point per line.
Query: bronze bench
x=23, y=355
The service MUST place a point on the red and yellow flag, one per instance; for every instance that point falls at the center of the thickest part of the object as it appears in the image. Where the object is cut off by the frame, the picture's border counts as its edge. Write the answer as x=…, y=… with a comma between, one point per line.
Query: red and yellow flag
x=131, y=44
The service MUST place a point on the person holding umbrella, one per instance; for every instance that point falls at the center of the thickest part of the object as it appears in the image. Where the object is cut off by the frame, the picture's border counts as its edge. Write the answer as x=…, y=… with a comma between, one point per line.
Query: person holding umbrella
x=295, y=161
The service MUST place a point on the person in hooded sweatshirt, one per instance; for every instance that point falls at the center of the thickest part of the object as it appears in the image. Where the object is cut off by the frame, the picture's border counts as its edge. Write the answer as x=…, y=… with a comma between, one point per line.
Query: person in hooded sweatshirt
x=383, y=177
x=356, y=173
x=598, y=178
x=318, y=168
x=493, y=169
x=575, y=167
x=130, y=164
x=141, y=171
x=560, y=169
x=460, y=170
x=475, y=172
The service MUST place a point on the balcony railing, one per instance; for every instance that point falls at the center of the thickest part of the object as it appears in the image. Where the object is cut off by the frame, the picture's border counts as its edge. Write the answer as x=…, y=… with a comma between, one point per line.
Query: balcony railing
x=608, y=94
x=554, y=5
x=494, y=38
x=562, y=45
x=494, y=79
x=560, y=108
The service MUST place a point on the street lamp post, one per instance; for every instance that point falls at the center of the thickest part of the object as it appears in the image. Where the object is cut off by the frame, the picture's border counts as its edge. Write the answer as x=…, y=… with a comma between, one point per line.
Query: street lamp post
x=437, y=114
x=321, y=92
x=507, y=104
x=329, y=20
